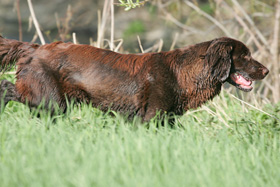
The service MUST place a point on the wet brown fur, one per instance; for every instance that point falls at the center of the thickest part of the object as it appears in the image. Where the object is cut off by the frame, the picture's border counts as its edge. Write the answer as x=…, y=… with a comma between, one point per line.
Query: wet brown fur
x=136, y=84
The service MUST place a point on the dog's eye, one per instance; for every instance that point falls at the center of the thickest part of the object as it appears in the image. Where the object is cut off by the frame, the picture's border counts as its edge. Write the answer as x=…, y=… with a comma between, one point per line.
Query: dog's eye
x=242, y=56
x=245, y=56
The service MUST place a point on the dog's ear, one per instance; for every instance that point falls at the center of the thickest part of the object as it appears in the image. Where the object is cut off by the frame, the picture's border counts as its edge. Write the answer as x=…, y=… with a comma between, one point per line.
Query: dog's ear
x=218, y=59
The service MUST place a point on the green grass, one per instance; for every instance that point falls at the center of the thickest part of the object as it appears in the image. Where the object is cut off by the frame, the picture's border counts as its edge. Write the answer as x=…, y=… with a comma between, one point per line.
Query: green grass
x=86, y=147
x=135, y=27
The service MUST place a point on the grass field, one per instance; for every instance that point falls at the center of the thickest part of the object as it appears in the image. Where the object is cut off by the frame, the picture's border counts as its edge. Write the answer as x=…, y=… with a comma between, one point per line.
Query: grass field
x=223, y=144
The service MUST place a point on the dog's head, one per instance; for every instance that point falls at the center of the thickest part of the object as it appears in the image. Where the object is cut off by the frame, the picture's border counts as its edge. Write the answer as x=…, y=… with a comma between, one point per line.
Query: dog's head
x=230, y=60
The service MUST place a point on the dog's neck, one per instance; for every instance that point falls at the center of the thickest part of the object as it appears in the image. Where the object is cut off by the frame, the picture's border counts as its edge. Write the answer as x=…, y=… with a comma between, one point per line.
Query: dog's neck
x=197, y=90
x=196, y=85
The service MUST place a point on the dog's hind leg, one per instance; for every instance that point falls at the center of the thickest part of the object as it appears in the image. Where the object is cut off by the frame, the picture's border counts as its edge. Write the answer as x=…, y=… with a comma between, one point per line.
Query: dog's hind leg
x=7, y=93
x=40, y=89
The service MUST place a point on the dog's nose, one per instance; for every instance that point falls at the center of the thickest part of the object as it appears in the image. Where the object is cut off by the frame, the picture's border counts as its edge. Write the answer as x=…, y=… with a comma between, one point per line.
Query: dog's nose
x=265, y=71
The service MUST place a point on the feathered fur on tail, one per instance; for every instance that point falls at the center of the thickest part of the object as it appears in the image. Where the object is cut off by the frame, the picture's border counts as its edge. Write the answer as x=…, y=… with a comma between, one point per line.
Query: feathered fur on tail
x=11, y=51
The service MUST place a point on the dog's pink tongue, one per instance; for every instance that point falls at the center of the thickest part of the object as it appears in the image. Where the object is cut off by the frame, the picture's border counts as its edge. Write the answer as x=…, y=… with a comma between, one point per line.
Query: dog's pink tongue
x=240, y=80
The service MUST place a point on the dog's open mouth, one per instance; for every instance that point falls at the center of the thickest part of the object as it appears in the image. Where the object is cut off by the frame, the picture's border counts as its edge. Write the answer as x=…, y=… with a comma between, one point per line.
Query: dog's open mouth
x=241, y=82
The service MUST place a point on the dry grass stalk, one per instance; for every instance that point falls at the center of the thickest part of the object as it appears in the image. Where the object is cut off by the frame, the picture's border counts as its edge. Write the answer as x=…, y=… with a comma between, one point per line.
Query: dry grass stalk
x=218, y=115
x=74, y=38
x=160, y=45
x=119, y=45
x=36, y=24
x=174, y=41
x=19, y=20
x=140, y=44
x=35, y=36
x=64, y=27
x=112, y=26
x=102, y=23
x=107, y=13
x=275, y=55
x=256, y=108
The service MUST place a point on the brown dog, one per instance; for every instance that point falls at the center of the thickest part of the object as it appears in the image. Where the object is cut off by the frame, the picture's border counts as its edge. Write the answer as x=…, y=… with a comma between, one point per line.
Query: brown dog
x=136, y=84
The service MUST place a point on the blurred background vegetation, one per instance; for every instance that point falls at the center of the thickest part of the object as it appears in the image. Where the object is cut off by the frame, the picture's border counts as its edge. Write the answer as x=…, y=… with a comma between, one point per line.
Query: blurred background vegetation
x=156, y=25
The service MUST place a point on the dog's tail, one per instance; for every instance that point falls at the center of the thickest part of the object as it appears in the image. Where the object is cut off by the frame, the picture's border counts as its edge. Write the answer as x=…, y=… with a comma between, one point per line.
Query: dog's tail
x=12, y=50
